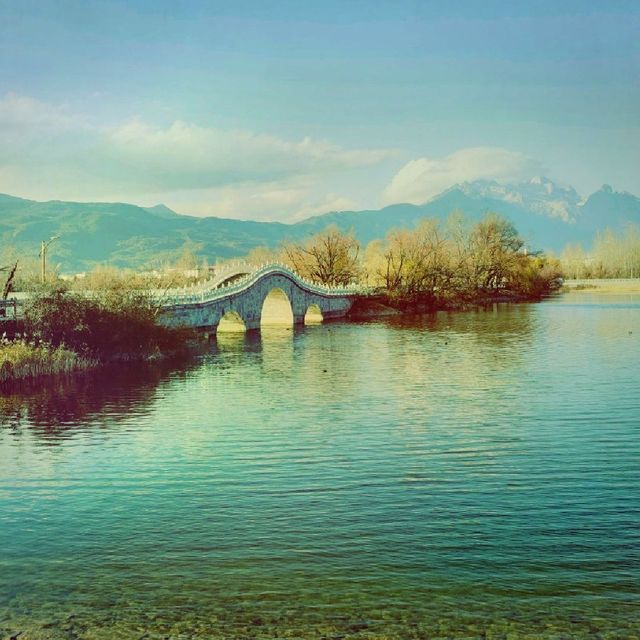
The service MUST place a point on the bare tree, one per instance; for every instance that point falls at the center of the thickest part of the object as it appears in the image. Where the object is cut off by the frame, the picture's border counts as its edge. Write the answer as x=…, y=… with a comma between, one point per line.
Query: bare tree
x=262, y=255
x=574, y=261
x=8, y=285
x=414, y=263
x=330, y=257
x=492, y=249
x=617, y=255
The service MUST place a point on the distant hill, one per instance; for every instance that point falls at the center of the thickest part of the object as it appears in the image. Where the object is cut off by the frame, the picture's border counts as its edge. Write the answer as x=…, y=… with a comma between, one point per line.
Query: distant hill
x=547, y=215
x=122, y=234
x=608, y=208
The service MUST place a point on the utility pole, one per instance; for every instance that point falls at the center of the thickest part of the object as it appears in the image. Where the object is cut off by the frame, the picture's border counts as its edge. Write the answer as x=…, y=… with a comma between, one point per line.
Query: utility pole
x=44, y=245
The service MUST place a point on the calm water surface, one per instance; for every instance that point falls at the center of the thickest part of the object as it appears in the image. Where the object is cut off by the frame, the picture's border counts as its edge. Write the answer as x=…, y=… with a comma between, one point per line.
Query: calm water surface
x=470, y=475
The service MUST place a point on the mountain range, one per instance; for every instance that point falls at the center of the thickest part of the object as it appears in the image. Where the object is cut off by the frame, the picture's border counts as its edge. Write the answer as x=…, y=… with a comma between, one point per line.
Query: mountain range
x=547, y=215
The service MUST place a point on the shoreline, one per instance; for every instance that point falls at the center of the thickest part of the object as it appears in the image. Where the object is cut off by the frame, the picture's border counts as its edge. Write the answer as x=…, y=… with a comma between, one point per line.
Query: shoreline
x=21, y=360
x=44, y=361
x=370, y=308
x=57, y=363
x=602, y=285
x=364, y=308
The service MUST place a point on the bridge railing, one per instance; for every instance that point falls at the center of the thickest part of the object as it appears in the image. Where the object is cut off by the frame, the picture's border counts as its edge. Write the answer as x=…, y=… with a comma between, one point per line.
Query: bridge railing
x=213, y=289
x=203, y=293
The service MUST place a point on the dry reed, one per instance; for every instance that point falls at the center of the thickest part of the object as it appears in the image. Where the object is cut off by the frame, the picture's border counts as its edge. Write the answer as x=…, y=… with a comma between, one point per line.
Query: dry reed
x=21, y=358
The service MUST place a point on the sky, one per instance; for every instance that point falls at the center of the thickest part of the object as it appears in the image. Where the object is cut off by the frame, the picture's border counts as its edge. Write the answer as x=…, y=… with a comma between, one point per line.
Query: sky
x=284, y=109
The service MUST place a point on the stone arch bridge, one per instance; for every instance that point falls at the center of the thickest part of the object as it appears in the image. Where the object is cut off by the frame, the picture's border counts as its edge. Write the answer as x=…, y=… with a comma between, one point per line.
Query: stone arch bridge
x=243, y=293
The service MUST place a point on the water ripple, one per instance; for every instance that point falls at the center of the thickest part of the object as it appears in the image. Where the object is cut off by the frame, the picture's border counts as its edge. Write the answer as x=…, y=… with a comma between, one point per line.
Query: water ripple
x=458, y=475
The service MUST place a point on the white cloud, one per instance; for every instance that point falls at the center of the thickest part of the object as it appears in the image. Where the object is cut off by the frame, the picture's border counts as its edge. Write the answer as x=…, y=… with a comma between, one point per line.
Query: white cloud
x=20, y=115
x=47, y=152
x=258, y=201
x=187, y=156
x=286, y=200
x=422, y=179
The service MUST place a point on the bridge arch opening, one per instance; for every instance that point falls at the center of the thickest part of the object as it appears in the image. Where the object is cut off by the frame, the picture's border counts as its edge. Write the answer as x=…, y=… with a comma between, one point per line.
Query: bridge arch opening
x=313, y=315
x=231, y=322
x=276, y=309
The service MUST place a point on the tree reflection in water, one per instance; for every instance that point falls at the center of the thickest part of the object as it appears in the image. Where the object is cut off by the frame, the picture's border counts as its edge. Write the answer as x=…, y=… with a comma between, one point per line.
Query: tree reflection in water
x=56, y=408
x=53, y=408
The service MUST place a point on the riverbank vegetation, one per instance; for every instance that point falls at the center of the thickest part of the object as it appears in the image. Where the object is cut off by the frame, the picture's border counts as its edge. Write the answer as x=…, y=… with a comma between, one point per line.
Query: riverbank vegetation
x=68, y=331
x=439, y=265
x=114, y=324
x=23, y=358
x=613, y=255
x=434, y=265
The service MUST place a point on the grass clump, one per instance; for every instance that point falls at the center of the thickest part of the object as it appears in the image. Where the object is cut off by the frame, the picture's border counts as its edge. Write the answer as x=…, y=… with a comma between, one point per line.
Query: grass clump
x=21, y=358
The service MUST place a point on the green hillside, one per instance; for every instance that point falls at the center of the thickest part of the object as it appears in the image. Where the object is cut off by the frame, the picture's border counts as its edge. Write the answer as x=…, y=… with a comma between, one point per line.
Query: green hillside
x=127, y=235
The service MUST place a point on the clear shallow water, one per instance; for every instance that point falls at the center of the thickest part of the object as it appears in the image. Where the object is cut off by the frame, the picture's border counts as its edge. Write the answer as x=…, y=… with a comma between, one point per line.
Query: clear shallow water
x=468, y=475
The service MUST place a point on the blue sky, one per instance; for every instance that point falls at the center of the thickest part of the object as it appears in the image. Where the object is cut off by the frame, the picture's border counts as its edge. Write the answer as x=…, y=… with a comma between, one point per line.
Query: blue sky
x=284, y=109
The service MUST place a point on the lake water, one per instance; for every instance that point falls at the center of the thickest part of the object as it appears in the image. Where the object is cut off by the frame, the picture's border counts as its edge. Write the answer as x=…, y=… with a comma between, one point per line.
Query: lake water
x=467, y=475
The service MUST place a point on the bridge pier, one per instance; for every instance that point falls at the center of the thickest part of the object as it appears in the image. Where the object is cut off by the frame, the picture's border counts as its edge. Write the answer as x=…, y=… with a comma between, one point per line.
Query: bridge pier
x=251, y=323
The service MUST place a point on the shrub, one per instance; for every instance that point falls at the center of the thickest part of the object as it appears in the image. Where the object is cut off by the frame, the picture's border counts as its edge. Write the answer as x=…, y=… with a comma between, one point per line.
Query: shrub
x=108, y=325
x=536, y=276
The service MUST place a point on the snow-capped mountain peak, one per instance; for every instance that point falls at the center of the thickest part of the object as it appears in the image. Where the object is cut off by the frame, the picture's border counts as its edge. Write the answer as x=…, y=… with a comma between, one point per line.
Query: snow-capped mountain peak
x=541, y=195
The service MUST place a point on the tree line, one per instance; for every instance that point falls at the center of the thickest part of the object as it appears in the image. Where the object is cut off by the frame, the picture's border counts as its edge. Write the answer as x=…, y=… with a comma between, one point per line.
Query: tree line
x=23, y=273
x=613, y=255
x=432, y=263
